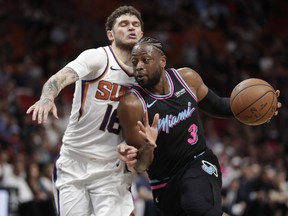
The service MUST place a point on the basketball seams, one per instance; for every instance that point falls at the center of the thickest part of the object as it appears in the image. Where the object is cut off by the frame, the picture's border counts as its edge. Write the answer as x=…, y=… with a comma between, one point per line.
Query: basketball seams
x=252, y=103
x=253, y=85
x=255, y=101
x=262, y=116
x=266, y=112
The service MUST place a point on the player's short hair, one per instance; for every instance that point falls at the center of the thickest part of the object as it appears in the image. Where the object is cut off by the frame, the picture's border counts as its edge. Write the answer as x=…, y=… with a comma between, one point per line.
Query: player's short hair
x=153, y=42
x=110, y=22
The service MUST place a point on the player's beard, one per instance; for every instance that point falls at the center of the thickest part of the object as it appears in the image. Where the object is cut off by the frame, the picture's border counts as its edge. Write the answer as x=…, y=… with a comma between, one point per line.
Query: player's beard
x=152, y=80
x=124, y=46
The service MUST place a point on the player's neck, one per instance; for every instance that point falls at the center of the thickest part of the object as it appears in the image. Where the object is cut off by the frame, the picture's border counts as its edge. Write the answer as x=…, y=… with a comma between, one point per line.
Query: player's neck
x=162, y=88
x=123, y=54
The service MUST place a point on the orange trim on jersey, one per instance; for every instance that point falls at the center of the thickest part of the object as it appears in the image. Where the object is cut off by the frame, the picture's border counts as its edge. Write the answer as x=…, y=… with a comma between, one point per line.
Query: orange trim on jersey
x=85, y=85
x=119, y=62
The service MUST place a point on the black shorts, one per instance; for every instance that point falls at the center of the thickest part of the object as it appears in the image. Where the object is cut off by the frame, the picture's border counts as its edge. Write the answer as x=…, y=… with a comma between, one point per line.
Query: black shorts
x=195, y=190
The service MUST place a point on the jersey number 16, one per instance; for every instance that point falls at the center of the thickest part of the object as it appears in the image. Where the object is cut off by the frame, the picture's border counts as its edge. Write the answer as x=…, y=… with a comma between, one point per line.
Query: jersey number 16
x=110, y=121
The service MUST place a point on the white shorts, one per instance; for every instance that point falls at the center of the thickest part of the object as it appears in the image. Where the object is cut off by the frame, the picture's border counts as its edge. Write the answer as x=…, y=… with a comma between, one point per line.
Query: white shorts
x=85, y=187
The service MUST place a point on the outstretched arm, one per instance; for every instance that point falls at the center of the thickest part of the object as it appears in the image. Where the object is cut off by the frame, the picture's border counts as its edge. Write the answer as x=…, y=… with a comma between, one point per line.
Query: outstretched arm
x=50, y=90
x=209, y=102
x=216, y=106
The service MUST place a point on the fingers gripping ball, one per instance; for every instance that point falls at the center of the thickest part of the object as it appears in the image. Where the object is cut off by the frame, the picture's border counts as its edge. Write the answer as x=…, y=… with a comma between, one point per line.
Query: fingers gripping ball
x=253, y=101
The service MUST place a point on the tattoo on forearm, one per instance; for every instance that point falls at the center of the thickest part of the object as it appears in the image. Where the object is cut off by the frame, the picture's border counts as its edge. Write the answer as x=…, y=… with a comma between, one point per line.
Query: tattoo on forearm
x=71, y=75
x=47, y=100
x=57, y=82
x=51, y=88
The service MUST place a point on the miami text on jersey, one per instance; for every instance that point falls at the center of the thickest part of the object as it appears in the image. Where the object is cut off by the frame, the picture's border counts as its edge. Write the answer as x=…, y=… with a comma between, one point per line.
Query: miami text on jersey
x=169, y=121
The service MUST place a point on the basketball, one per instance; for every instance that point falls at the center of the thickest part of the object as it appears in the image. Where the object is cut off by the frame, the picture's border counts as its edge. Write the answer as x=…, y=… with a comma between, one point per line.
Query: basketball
x=253, y=101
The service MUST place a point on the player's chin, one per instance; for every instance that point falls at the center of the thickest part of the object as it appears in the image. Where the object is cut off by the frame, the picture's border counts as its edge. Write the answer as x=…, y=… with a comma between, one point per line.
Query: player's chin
x=132, y=40
x=141, y=81
x=129, y=44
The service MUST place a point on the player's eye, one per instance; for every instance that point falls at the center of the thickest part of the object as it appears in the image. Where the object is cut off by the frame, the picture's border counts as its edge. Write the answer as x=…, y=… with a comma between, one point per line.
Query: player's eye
x=122, y=24
x=134, y=62
x=136, y=24
x=146, y=60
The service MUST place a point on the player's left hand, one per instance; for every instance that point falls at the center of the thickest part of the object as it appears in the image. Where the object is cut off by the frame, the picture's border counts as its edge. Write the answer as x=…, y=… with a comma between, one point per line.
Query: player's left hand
x=149, y=133
x=279, y=104
x=41, y=109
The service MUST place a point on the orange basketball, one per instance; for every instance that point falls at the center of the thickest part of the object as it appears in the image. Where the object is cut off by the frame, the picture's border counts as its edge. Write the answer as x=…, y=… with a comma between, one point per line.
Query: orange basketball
x=253, y=101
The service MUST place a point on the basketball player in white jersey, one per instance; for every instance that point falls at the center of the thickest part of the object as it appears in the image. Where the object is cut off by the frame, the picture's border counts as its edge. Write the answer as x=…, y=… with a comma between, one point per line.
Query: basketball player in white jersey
x=88, y=176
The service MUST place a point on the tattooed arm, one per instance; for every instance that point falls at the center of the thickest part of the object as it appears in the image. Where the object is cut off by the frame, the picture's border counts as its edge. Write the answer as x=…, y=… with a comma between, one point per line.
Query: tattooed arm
x=51, y=89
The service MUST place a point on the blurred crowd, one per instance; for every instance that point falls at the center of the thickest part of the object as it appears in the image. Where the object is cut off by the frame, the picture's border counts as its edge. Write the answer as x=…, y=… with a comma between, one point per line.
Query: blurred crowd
x=226, y=41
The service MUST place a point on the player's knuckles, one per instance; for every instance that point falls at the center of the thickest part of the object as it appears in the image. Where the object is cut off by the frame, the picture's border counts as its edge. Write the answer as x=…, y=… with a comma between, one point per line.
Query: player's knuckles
x=121, y=157
x=131, y=156
x=279, y=105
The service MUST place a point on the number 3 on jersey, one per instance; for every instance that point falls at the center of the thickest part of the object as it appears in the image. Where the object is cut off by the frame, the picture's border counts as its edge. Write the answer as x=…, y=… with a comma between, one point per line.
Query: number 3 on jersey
x=193, y=133
x=110, y=121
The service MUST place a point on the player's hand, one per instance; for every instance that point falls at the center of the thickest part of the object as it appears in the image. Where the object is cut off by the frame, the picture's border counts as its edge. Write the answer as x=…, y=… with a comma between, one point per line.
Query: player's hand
x=149, y=133
x=41, y=110
x=127, y=154
x=279, y=104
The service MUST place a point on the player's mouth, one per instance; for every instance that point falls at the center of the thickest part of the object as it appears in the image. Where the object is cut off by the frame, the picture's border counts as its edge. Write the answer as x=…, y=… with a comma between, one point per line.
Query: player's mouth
x=132, y=36
x=140, y=76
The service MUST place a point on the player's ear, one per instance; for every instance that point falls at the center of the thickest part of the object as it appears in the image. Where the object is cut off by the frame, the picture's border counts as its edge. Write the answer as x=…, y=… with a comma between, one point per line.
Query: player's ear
x=163, y=60
x=110, y=35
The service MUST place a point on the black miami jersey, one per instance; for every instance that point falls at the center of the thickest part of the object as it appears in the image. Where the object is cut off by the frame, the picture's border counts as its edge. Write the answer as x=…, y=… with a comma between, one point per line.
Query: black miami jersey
x=181, y=134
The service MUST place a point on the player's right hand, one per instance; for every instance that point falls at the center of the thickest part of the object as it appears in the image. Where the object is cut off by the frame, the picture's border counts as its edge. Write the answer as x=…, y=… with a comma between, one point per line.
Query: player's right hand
x=127, y=154
x=41, y=110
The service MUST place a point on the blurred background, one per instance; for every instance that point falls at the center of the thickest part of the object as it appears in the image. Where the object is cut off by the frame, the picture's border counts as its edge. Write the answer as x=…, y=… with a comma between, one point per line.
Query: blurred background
x=225, y=41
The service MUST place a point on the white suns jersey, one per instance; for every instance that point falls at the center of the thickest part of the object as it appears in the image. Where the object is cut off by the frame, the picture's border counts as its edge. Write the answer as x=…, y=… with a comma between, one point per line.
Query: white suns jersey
x=93, y=130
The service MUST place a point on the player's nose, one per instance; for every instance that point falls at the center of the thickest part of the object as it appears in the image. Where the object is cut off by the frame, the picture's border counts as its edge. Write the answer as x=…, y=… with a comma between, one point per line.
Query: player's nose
x=131, y=26
x=139, y=66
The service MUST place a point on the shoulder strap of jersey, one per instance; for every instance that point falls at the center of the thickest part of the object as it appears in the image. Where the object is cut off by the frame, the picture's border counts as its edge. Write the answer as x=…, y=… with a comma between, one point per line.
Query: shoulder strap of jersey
x=176, y=77
x=139, y=93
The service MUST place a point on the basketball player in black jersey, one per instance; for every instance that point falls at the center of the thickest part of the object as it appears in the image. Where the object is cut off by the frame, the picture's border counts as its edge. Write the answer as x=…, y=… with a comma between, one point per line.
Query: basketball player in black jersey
x=184, y=174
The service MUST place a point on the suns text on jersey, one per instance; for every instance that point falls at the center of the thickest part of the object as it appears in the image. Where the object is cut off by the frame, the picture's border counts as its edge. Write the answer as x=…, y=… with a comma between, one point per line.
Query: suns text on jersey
x=110, y=91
